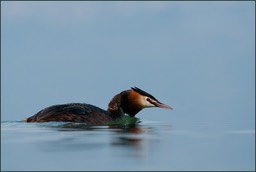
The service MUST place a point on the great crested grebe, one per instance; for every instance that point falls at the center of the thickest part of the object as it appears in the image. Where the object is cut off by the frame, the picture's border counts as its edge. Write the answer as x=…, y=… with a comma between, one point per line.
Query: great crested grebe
x=127, y=102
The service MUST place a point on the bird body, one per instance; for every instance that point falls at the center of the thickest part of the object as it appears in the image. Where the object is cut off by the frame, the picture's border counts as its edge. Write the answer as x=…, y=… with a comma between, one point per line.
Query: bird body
x=127, y=102
x=72, y=112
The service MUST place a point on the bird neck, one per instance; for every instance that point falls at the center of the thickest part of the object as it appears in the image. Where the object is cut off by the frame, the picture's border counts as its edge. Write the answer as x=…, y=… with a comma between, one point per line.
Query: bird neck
x=114, y=107
x=124, y=102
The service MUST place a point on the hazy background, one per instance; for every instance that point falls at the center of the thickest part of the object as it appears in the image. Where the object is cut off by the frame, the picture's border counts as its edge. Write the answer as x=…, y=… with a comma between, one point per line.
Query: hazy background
x=198, y=57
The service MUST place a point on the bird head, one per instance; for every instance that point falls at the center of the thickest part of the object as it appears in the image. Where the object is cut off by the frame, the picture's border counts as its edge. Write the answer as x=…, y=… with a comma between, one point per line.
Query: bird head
x=146, y=100
x=134, y=100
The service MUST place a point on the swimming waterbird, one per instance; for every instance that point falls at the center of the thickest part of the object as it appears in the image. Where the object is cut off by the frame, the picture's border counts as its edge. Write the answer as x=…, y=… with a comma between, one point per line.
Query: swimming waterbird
x=127, y=102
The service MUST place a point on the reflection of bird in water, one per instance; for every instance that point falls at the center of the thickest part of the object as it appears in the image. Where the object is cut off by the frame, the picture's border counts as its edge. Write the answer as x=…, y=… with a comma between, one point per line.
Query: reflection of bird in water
x=127, y=102
x=129, y=135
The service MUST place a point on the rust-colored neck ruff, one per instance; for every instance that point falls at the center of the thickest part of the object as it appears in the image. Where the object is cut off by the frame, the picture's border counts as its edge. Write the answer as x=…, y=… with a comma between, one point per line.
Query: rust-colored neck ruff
x=126, y=102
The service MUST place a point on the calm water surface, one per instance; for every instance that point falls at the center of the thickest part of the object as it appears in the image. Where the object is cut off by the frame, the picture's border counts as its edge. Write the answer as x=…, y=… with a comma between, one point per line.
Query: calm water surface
x=148, y=145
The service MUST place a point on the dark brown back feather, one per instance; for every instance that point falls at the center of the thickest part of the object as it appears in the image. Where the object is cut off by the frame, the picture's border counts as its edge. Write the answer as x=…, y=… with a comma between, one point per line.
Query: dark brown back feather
x=74, y=112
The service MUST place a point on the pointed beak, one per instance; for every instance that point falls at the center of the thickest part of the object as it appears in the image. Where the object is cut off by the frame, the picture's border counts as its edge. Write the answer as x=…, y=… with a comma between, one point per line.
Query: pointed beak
x=161, y=105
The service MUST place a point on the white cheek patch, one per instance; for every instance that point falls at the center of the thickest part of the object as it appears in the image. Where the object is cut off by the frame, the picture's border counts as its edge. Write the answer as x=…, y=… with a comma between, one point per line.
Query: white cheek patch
x=146, y=103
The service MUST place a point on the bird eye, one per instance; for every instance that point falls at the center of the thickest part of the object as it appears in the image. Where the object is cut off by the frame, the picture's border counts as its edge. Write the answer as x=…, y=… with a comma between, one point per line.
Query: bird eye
x=148, y=99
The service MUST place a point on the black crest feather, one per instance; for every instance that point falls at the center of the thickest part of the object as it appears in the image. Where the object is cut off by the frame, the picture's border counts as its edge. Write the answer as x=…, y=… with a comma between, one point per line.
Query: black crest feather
x=144, y=93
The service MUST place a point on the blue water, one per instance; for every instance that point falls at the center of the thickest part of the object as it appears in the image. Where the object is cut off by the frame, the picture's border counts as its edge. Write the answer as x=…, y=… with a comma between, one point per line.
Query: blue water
x=197, y=57
x=148, y=145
